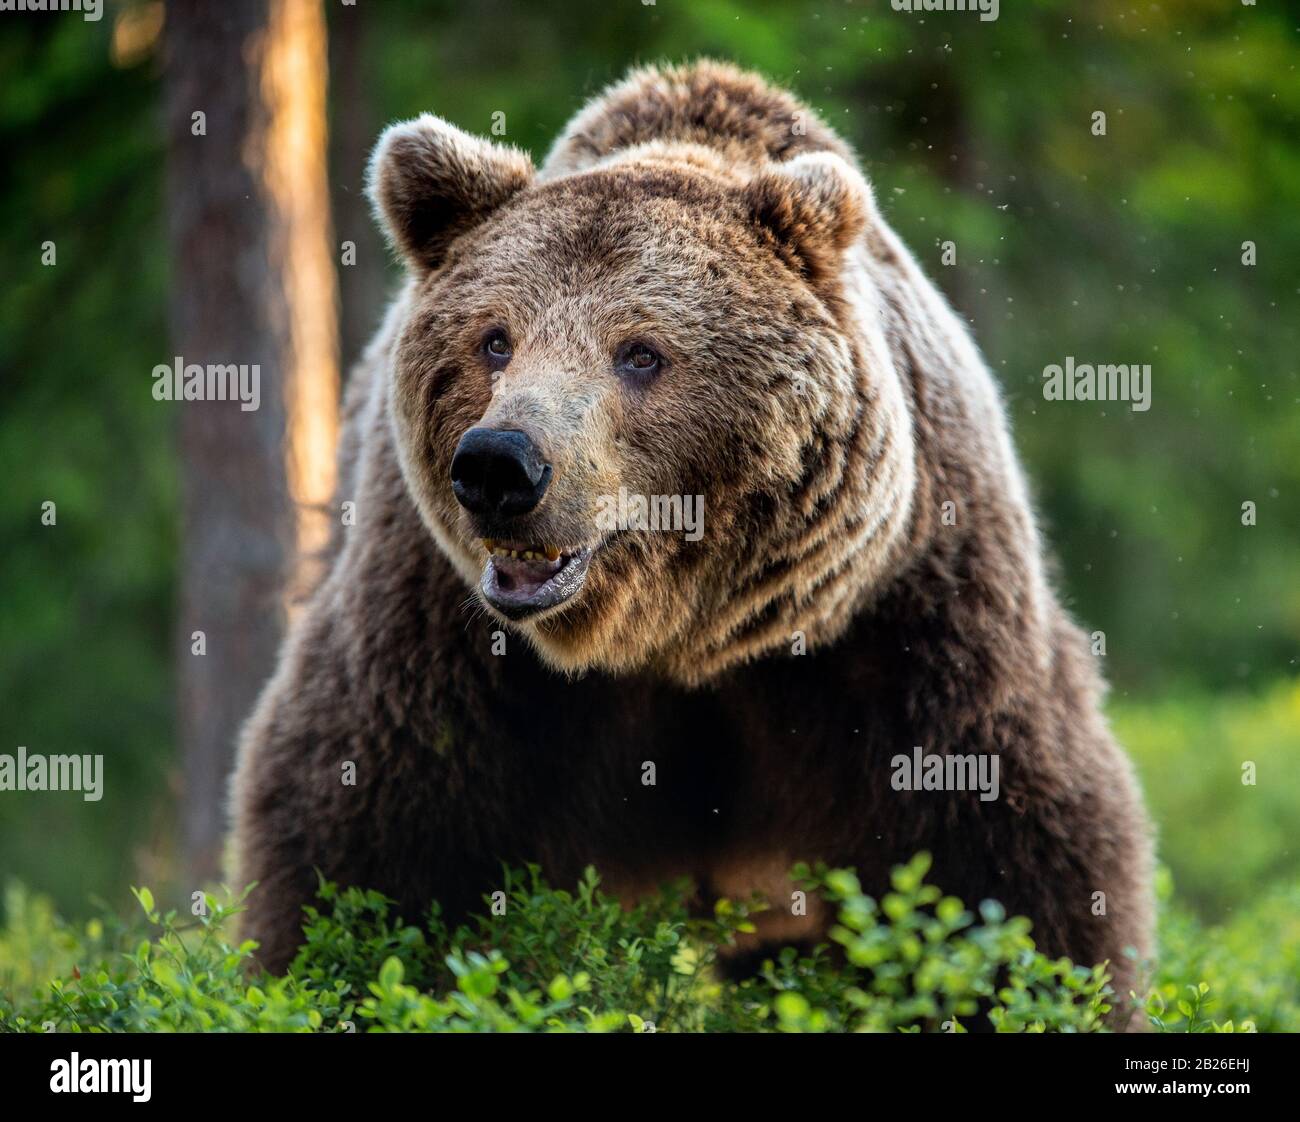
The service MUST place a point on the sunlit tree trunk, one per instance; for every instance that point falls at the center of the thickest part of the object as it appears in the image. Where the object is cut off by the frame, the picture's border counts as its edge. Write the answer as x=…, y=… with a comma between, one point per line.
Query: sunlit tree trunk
x=252, y=284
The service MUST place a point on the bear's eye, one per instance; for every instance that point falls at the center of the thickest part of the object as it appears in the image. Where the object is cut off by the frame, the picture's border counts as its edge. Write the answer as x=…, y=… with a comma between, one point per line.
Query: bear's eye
x=496, y=345
x=639, y=359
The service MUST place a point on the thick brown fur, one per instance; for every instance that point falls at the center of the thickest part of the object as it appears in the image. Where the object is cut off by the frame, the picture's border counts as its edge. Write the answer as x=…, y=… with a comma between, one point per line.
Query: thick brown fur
x=825, y=401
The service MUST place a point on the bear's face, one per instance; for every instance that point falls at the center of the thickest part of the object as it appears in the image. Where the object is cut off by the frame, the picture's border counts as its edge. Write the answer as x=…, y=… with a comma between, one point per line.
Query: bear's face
x=613, y=391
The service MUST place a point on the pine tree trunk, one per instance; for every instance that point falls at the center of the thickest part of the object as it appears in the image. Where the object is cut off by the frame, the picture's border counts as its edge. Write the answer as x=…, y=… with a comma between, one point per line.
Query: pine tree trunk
x=252, y=284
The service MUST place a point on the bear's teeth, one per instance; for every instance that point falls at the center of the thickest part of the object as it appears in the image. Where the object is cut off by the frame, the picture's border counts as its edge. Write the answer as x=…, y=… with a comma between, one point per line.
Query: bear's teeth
x=548, y=553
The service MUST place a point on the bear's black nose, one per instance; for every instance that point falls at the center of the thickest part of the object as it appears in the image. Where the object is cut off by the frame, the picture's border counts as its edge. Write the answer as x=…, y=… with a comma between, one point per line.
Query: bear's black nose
x=498, y=472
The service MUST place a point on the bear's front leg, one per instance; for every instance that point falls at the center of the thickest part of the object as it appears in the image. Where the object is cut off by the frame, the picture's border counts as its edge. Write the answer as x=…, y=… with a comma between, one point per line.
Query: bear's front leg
x=328, y=783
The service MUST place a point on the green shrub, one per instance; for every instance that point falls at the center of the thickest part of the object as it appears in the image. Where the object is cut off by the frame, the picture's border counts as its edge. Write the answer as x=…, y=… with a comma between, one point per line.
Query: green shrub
x=914, y=960
x=1242, y=972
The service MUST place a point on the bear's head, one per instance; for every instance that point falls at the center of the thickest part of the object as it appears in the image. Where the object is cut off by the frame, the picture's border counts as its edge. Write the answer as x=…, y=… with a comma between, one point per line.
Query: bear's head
x=645, y=409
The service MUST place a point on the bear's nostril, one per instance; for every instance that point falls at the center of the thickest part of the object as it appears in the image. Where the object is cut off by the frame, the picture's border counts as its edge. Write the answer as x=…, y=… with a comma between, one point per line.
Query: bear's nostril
x=499, y=472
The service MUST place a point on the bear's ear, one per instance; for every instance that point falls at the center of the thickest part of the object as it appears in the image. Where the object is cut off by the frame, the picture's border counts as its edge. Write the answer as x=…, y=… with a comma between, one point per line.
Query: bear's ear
x=430, y=182
x=814, y=206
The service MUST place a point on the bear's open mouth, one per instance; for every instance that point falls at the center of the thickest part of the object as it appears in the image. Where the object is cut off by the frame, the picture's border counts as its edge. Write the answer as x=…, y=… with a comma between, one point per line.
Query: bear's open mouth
x=521, y=580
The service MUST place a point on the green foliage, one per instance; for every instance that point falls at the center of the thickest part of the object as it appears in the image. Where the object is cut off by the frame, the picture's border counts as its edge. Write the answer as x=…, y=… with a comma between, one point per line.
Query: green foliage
x=919, y=961
x=578, y=961
x=1242, y=973
x=175, y=978
x=87, y=605
x=1223, y=839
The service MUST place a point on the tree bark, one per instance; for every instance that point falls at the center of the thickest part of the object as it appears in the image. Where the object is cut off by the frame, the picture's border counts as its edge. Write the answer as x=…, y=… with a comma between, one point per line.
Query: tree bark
x=252, y=285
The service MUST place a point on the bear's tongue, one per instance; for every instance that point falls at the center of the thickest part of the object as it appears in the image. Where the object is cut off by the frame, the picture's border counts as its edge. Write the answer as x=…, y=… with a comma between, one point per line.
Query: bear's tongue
x=524, y=575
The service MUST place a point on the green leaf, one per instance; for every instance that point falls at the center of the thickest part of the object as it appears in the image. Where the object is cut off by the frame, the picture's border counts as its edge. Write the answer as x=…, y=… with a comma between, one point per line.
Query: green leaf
x=390, y=974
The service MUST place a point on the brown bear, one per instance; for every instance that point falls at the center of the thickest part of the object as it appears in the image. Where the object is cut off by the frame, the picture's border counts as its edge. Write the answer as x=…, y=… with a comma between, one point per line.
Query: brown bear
x=689, y=541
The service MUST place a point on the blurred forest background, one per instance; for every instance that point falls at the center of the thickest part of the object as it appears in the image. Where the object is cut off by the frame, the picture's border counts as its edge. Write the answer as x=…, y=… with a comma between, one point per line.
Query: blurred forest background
x=1123, y=248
